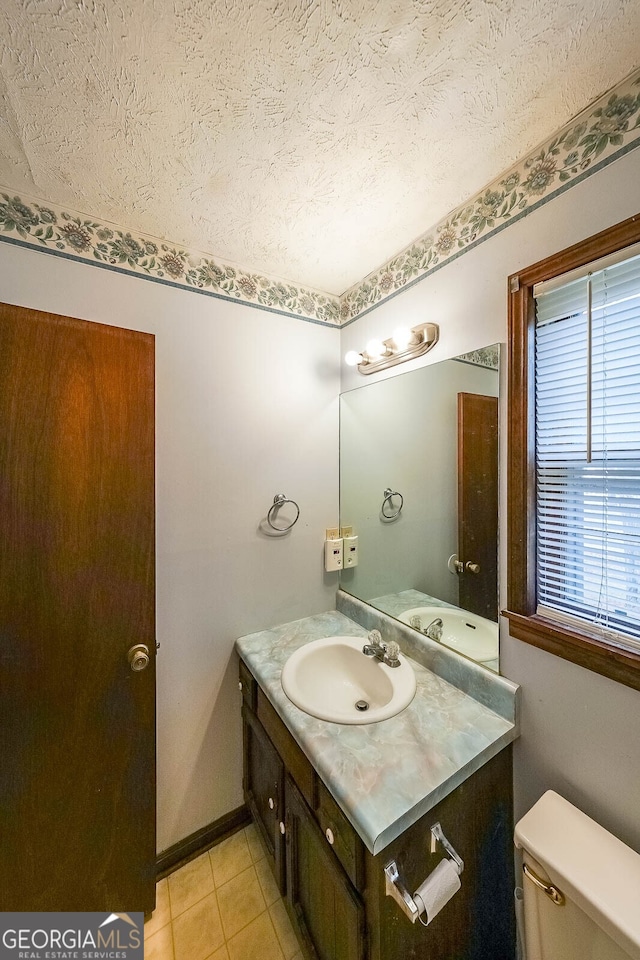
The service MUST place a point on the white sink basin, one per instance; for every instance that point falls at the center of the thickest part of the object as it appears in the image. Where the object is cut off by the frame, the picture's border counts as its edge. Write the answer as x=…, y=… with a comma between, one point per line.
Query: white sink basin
x=465, y=632
x=327, y=677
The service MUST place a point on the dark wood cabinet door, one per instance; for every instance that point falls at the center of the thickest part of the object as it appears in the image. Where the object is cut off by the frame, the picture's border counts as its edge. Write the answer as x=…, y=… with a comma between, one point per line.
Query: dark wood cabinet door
x=264, y=790
x=77, y=724
x=478, y=923
x=329, y=912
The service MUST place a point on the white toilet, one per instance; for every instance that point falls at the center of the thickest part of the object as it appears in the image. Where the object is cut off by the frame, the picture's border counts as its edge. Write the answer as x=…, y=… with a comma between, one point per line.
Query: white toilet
x=594, y=877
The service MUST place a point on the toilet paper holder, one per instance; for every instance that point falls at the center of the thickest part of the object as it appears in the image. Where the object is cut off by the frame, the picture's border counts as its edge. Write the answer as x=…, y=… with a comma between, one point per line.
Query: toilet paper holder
x=394, y=887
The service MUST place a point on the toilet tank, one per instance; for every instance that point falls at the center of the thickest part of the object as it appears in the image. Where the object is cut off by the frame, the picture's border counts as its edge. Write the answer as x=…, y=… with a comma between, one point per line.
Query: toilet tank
x=598, y=877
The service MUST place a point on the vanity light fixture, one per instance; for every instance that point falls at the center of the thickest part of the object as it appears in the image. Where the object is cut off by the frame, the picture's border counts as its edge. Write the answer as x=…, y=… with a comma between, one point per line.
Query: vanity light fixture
x=404, y=345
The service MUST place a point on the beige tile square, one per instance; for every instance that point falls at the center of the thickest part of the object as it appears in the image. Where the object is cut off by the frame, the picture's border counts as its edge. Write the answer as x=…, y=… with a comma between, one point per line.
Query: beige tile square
x=230, y=858
x=257, y=848
x=258, y=941
x=267, y=881
x=162, y=913
x=190, y=884
x=160, y=945
x=222, y=954
x=240, y=901
x=284, y=930
x=197, y=933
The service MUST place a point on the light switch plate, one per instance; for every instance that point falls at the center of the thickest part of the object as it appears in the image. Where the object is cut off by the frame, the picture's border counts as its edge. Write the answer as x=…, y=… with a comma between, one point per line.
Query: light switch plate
x=332, y=554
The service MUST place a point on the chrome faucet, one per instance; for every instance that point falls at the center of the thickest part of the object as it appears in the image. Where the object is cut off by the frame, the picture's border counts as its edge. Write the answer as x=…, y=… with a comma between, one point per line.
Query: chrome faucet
x=385, y=652
x=434, y=630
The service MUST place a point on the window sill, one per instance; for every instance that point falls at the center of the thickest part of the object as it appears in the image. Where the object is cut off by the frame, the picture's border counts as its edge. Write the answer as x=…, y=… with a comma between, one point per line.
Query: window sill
x=594, y=654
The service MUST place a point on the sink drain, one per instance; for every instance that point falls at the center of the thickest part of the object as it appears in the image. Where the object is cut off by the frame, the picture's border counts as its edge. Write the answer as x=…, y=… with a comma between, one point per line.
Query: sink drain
x=362, y=705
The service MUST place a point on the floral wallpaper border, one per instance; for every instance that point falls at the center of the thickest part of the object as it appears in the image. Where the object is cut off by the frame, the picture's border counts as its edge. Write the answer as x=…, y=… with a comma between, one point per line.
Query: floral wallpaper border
x=77, y=237
x=608, y=129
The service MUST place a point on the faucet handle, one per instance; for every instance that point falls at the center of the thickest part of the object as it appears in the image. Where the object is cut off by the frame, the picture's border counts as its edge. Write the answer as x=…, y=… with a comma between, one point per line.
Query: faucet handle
x=392, y=654
x=375, y=637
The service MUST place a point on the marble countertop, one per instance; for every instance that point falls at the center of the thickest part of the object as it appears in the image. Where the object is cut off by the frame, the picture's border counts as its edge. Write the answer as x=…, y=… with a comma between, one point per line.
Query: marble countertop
x=384, y=775
x=396, y=604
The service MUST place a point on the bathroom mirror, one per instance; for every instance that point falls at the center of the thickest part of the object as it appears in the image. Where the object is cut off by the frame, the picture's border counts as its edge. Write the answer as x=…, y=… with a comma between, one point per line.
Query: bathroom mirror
x=419, y=486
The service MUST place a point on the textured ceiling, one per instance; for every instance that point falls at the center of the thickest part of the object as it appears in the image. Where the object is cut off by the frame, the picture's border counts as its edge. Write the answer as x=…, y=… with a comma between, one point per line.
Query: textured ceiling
x=306, y=139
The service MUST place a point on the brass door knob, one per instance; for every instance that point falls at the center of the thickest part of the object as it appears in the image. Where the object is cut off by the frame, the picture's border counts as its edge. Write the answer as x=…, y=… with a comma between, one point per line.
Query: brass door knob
x=138, y=657
x=460, y=566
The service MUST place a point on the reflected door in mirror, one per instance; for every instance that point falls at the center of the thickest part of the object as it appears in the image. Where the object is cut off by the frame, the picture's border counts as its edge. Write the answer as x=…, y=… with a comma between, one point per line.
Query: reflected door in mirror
x=478, y=503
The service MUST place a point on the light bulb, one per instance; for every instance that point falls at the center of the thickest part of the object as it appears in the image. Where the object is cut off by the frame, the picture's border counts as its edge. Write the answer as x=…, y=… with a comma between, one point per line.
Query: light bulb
x=353, y=358
x=402, y=337
x=375, y=349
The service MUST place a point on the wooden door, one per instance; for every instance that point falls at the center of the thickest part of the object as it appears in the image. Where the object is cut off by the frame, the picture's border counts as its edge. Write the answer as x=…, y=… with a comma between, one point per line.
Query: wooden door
x=77, y=724
x=478, y=503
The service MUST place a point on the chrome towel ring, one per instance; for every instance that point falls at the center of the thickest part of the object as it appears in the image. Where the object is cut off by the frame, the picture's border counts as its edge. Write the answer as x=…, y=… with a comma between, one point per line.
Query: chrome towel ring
x=388, y=499
x=278, y=501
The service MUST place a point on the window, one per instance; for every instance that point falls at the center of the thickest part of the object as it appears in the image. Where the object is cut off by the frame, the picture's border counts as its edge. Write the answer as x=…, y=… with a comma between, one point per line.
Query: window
x=587, y=441
x=574, y=454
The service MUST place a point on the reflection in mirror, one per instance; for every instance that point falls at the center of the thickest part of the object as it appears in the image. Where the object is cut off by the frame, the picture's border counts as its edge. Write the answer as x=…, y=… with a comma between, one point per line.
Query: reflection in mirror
x=419, y=486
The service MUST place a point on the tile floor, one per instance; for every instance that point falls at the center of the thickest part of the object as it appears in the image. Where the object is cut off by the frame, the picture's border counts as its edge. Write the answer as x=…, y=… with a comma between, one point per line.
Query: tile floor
x=224, y=905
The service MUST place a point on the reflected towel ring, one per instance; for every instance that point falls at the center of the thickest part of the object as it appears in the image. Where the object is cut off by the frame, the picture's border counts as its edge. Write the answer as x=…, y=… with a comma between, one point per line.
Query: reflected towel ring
x=388, y=495
x=278, y=501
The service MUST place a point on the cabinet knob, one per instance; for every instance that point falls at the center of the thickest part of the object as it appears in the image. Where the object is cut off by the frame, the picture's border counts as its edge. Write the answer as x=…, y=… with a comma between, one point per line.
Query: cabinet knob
x=239, y=684
x=329, y=835
x=282, y=828
x=271, y=803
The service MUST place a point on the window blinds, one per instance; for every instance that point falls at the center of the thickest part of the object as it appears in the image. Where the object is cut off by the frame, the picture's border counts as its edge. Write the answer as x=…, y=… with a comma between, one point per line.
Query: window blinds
x=587, y=428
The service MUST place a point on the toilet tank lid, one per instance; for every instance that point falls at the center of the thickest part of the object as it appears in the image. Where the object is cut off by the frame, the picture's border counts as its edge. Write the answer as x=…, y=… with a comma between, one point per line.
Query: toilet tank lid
x=591, y=866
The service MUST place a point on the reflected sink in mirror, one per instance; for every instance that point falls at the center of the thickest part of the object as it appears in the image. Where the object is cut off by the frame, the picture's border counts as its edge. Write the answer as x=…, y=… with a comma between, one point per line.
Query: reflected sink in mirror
x=462, y=631
x=431, y=435
x=327, y=678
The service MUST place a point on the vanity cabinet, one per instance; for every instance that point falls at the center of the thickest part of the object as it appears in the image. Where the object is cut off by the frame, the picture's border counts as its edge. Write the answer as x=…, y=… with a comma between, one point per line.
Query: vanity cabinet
x=334, y=887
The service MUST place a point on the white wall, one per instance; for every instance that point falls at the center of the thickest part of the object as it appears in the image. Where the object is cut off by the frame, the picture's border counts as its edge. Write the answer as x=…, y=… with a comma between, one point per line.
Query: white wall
x=580, y=731
x=247, y=407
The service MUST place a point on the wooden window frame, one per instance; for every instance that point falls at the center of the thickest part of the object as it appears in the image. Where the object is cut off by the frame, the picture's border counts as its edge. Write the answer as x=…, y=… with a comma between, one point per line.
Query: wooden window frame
x=574, y=644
